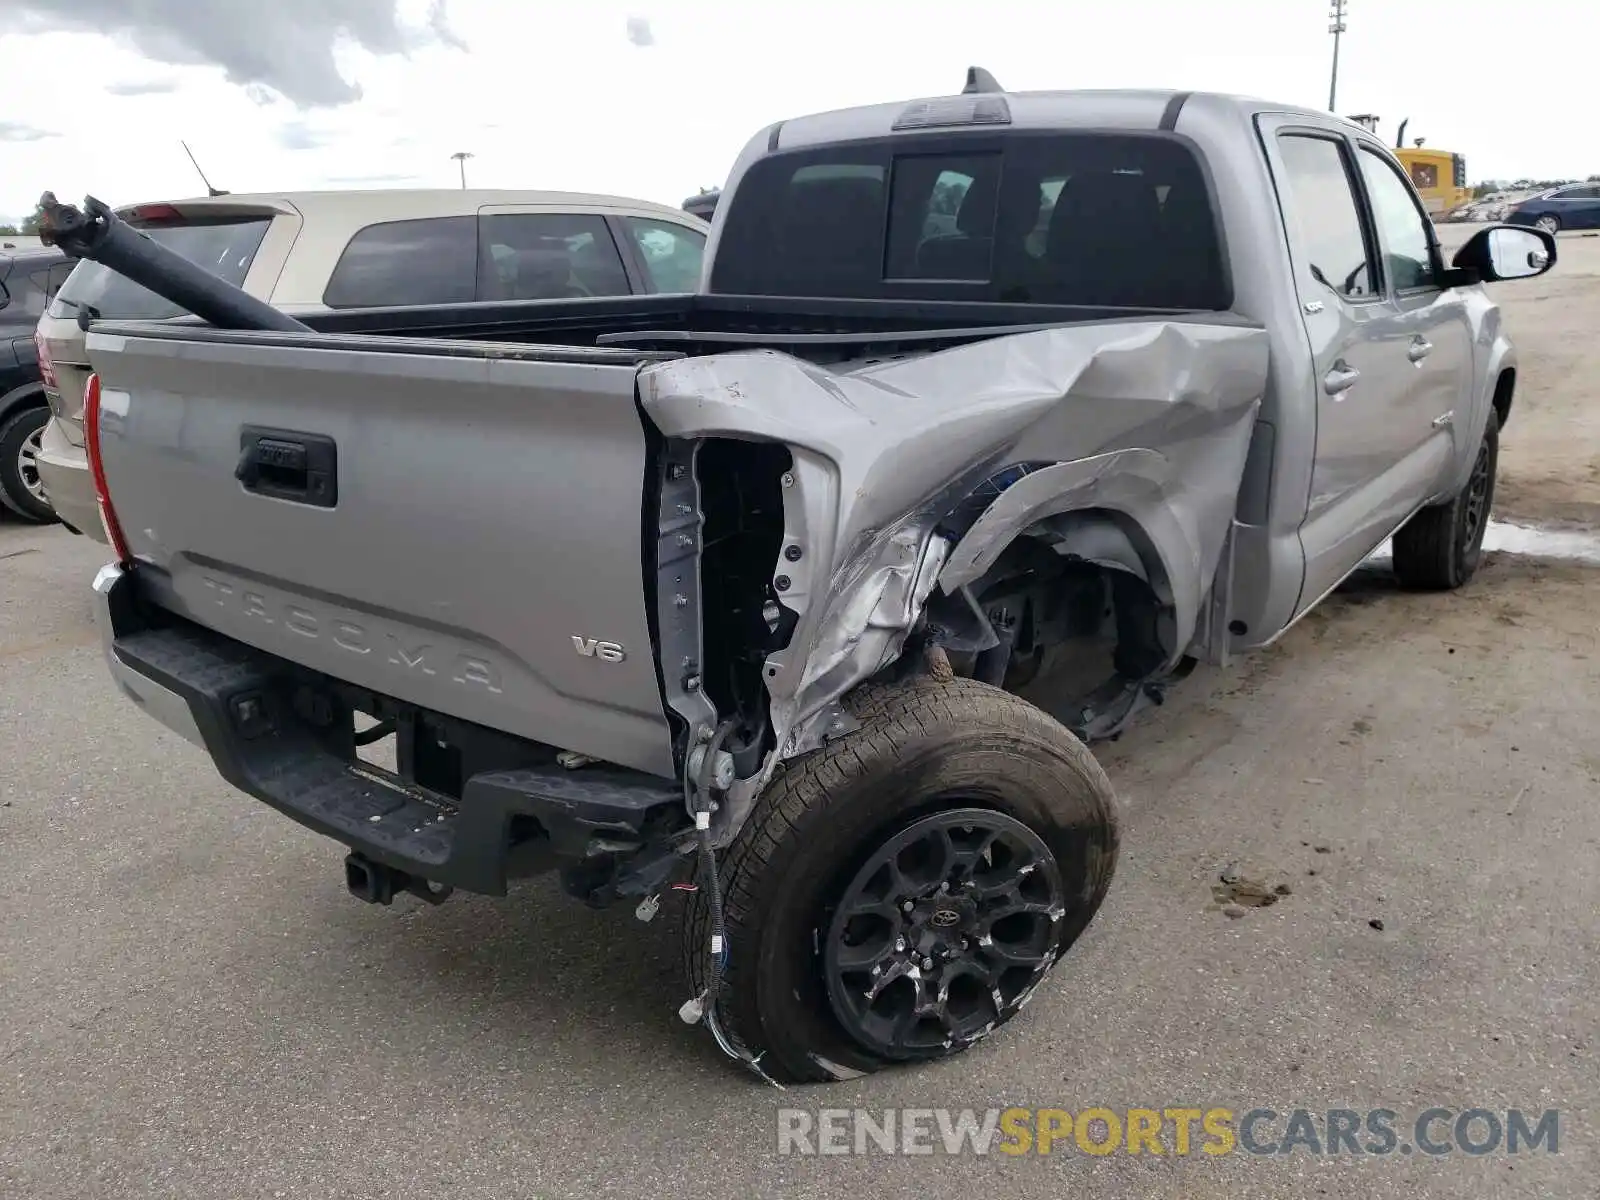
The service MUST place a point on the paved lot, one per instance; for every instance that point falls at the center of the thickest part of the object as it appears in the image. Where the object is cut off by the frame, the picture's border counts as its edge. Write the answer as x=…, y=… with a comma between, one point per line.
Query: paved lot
x=191, y=1006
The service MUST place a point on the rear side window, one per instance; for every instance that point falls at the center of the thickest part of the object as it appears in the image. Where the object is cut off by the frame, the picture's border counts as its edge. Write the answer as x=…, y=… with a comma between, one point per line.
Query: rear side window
x=429, y=261
x=672, y=253
x=1090, y=219
x=1320, y=208
x=224, y=246
x=547, y=256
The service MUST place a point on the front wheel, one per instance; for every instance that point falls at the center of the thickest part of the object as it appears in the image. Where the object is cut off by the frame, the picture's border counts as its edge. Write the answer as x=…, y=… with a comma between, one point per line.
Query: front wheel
x=899, y=894
x=21, y=491
x=1440, y=548
x=1550, y=224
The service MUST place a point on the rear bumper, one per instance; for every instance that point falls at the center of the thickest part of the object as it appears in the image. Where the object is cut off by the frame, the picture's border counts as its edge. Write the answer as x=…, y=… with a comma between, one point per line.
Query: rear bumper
x=243, y=708
x=64, y=472
x=163, y=703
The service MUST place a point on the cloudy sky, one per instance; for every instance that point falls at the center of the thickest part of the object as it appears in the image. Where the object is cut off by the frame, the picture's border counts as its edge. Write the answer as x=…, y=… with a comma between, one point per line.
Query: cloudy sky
x=655, y=99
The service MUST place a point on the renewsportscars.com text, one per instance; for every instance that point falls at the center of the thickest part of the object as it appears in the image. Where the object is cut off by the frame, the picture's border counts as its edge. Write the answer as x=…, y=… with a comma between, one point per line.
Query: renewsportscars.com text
x=1174, y=1131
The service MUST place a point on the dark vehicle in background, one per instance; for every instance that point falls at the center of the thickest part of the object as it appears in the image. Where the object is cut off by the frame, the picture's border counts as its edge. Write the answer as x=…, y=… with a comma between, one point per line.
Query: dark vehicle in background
x=1574, y=206
x=28, y=280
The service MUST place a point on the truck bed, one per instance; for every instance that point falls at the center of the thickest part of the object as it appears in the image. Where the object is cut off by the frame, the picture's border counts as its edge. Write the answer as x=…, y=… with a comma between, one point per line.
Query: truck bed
x=694, y=324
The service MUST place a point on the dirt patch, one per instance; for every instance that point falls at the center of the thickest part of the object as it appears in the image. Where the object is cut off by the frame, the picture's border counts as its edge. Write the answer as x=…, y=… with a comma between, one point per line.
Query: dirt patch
x=1554, y=503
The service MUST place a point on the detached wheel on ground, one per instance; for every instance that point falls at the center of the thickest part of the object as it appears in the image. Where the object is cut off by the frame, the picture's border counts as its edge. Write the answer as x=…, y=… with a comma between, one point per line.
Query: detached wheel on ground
x=898, y=895
x=20, y=490
x=1440, y=547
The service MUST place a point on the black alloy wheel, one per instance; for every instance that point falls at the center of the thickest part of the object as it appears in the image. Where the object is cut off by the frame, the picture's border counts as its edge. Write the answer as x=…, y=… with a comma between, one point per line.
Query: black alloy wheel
x=943, y=932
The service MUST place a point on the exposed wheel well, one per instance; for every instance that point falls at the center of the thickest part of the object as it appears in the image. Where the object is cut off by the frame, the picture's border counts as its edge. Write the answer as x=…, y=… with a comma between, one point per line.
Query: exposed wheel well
x=1080, y=599
x=1504, y=387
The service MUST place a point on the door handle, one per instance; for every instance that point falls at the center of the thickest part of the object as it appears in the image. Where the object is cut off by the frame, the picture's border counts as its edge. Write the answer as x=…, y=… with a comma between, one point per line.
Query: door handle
x=1420, y=348
x=1340, y=379
x=288, y=465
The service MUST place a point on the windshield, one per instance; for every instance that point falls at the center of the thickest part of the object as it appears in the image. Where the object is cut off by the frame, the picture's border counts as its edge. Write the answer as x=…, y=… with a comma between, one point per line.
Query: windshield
x=1093, y=219
x=225, y=247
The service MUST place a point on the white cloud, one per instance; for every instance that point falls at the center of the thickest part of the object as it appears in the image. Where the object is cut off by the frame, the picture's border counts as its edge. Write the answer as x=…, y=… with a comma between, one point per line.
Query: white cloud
x=142, y=87
x=287, y=45
x=17, y=131
x=554, y=95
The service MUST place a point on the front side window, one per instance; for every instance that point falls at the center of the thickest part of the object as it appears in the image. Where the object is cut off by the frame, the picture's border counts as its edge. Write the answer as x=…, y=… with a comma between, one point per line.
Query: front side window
x=1091, y=219
x=428, y=261
x=548, y=256
x=1402, y=228
x=672, y=253
x=1323, y=217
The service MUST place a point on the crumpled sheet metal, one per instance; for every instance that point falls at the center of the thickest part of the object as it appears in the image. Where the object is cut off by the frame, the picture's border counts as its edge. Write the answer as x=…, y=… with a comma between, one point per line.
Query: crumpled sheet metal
x=1150, y=419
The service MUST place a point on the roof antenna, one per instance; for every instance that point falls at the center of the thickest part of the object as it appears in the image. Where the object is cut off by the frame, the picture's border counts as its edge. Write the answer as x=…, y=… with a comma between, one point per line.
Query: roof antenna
x=979, y=80
x=209, y=189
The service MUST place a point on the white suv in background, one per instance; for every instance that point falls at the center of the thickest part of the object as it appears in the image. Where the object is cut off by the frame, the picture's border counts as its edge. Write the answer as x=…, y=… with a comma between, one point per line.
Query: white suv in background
x=315, y=251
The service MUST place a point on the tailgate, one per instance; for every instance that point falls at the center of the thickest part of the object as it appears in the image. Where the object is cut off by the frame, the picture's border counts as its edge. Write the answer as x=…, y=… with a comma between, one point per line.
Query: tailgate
x=457, y=525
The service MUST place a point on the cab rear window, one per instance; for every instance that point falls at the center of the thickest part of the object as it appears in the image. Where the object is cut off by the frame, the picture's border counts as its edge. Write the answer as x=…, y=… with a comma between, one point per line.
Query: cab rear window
x=1094, y=219
x=224, y=246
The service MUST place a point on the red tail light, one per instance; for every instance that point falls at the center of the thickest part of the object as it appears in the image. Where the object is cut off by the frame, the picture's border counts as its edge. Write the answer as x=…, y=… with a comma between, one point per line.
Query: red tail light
x=97, y=469
x=150, y=213
x=47, y=369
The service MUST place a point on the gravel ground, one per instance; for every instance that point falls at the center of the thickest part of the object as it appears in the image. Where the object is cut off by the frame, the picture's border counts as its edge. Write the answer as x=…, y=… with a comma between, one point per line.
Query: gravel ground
x=190, y=1004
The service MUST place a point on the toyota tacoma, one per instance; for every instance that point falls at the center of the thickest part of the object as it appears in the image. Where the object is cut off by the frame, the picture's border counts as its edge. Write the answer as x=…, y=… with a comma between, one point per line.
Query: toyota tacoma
x=730, y=597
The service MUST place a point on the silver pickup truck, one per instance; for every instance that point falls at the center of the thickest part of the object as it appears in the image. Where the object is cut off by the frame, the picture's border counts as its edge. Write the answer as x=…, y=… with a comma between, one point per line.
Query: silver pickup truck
x=1055, y=392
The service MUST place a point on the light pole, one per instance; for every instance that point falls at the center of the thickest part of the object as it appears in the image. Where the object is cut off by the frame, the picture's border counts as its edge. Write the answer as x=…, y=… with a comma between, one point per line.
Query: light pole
x=461, y=157
x=1336, y=27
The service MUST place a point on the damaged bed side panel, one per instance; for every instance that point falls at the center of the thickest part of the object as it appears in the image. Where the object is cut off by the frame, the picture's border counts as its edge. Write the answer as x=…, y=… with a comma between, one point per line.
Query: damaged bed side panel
x=1149, y=420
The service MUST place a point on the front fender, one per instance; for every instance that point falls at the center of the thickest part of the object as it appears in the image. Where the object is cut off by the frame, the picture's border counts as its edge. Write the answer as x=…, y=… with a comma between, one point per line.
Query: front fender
x=1493, y=355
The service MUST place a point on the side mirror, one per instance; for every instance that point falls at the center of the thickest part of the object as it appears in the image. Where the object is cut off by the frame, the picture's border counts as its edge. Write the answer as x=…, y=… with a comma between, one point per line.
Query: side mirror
x=1507, y=252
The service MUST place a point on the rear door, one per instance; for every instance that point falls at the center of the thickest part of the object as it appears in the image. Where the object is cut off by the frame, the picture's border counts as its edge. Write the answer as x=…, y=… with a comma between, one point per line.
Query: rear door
x=1357, y=390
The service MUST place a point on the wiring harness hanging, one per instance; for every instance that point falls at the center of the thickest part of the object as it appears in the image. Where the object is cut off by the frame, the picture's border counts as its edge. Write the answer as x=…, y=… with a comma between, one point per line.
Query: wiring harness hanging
x=702, y=1009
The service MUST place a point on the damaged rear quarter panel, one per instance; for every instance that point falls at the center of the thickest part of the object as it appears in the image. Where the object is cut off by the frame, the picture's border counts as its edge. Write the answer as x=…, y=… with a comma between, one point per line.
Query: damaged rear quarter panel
x=1150, y=419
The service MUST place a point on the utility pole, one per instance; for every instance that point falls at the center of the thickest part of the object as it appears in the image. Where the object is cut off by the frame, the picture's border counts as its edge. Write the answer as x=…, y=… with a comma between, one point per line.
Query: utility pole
x=461, y=157
x=1336, y=26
